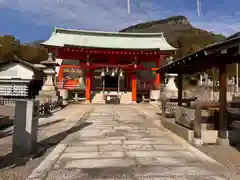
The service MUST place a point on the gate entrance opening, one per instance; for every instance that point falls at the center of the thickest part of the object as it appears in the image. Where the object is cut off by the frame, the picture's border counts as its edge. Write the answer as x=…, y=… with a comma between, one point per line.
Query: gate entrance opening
x=111, y=81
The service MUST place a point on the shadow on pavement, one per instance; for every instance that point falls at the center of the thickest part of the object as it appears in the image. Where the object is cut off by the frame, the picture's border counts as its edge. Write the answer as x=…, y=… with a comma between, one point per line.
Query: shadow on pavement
x=10, y=132
x=13, y=160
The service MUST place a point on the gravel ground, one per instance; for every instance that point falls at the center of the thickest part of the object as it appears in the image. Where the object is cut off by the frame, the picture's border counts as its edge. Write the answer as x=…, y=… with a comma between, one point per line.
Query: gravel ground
x=13, y=167
x=51, y=131
x=16, y=168
x=225, y=155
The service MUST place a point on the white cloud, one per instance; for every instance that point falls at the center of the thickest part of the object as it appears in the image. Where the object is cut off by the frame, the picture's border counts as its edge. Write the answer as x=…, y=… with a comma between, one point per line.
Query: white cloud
x=111, y=15
x=100, y=14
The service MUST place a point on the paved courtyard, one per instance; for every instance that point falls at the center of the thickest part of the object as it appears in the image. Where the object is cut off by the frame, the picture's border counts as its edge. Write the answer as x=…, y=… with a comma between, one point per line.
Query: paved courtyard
x=124, y=142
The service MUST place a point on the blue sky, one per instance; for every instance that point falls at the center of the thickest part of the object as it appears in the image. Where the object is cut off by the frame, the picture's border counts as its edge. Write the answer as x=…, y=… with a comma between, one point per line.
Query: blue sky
x=31, y=20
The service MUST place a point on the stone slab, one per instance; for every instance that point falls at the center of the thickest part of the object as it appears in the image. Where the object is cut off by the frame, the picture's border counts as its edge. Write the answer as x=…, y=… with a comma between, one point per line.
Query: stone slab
x=159, y=154
x=47, y=165
x=172, y=171
x=110, y=147
x=163, y=161
x=149, y=142
x=99, y=163
x=89, y=155
x=167, y=147
x=75, y=149
x=138, y=147
x=100, y=142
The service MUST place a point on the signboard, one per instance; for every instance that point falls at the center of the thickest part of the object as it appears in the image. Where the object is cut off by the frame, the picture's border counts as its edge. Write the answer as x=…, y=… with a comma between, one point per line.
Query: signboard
x=72, y=70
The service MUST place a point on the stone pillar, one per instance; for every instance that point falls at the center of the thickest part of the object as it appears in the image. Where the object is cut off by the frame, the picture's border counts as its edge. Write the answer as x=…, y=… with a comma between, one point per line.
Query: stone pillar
x=64, y=95
x=25, y=127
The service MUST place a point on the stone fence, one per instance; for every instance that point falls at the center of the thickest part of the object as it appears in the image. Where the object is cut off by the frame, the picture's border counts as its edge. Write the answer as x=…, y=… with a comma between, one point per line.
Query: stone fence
x=8, y=109
x=9, y=104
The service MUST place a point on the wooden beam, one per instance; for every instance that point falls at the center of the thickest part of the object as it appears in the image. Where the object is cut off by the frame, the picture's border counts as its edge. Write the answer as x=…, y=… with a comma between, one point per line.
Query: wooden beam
x=150, y=52
x=100, y=65
x=222, y=49
x=223, y=101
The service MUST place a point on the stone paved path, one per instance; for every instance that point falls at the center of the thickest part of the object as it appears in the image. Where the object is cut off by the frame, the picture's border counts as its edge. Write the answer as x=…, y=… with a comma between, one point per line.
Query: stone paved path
x=118, y=142
x=51, y=130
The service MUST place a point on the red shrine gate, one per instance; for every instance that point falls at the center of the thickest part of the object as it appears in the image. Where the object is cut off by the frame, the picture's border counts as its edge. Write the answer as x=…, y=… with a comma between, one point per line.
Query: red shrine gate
x=98, y=53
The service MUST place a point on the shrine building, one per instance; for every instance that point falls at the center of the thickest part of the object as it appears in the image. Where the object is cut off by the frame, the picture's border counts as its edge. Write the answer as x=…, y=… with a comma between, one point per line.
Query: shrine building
x=99, y=63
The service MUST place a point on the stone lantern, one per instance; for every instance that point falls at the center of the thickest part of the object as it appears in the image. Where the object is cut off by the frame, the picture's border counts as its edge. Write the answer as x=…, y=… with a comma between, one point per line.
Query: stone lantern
x=171, y=90
x=49, y=90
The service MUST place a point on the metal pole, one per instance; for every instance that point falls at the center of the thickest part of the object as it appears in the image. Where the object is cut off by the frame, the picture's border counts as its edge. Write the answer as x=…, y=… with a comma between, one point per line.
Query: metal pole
x=129, y=6
x=199, y=7
x=118, y=83
x=103, y=84
x=237, y=77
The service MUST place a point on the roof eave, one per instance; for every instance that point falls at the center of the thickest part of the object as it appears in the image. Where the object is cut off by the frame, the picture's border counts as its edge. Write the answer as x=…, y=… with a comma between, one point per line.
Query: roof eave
x=62, y=30
x=210, y=49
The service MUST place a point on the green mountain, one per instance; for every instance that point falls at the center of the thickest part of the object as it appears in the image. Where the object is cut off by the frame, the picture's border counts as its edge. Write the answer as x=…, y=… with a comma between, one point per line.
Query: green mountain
x=179, y=33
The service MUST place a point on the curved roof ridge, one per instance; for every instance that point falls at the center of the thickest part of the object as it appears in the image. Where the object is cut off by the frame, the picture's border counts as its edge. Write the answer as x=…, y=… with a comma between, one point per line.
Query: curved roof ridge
x=75, y=31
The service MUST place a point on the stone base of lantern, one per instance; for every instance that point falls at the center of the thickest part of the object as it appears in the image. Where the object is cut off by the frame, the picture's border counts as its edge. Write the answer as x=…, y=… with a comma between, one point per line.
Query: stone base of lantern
x=48, y=94
x=48, y=88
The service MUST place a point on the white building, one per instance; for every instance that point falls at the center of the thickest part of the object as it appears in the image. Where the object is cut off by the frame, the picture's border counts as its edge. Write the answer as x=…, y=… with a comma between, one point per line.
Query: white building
x=19, y=78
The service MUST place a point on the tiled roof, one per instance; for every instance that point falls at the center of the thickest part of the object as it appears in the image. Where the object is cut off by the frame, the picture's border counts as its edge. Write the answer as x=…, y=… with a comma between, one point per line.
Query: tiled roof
x=111, y=40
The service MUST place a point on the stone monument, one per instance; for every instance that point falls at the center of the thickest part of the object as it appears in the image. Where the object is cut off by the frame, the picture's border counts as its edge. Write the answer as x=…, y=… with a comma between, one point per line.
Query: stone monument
x=49, y=91
x=25, y=127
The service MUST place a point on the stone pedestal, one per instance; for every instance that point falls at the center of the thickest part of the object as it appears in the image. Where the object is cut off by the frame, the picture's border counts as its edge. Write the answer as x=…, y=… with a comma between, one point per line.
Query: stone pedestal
x=155, y=95
x=223, y=141
x=87, y=102
x=25, y=127
x=64, y=95
x=76, y=97
x=197, y=141
x=133, y=102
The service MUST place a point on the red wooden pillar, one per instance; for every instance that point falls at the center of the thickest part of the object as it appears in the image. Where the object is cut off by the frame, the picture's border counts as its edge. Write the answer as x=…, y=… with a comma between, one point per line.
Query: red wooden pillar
x=88, y=87
x=60, y=76
x=157, y=79
x=134, y=88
